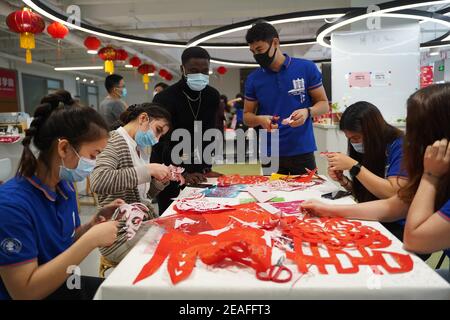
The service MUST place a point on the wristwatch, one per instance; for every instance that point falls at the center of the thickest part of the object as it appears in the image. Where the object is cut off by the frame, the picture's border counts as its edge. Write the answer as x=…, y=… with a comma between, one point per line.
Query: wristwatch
x=354, y=171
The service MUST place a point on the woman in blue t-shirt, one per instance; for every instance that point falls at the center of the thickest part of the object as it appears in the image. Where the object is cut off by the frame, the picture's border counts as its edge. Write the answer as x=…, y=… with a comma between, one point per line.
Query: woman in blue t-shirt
x=425, y=200
x=41, y=240
x=374, y=154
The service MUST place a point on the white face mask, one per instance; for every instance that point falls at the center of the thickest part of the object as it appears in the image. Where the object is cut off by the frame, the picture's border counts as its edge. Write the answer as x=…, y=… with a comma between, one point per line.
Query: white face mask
x=359, y=147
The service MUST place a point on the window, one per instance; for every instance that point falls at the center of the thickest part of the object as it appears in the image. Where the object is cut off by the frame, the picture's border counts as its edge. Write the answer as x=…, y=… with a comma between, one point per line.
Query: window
x=36, y=87
x=89, y=95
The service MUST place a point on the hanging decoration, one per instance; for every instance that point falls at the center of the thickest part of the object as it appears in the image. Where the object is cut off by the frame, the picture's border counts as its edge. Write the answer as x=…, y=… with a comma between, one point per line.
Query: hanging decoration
x=121, y=55
x=27, y=23
x=169, y=76
x=92, y=43
x=163, y=73
x=58, y=31
x=145, y=69
x=108, y=54
x=222, y=70
x=135, y=61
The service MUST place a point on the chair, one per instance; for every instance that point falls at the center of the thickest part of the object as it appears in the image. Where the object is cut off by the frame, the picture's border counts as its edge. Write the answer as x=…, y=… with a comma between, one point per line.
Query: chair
x=105, y=265
x=441, y=260
x=5, y=169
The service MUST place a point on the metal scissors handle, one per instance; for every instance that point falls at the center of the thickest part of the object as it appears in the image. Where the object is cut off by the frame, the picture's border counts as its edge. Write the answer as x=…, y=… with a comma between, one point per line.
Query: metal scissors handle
x=277, y=273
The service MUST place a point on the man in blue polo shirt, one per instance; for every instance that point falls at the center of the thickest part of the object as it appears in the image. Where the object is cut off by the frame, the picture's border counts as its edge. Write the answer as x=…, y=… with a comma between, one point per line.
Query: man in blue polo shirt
x=284, y=88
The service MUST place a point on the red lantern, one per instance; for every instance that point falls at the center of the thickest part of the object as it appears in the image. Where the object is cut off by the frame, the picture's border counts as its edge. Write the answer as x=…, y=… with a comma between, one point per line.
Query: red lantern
x=145, y=69
x=57, y=30
x=135, y=61
x=108, y=54
x=121, y=55
x=163, y=73
x=92, y=43
x=27, y=23
x=169, y=77
x=222, y=70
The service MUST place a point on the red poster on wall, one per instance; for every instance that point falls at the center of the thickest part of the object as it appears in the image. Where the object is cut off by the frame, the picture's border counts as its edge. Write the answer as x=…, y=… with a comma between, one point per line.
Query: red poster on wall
x=426, y=76
x=8, y=91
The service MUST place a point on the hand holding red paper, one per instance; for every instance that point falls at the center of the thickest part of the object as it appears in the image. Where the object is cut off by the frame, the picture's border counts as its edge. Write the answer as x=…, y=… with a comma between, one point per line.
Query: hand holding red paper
x=298, y=117
x=102, y=234
x=176, y=174
x=105, y=213
x=159, y=171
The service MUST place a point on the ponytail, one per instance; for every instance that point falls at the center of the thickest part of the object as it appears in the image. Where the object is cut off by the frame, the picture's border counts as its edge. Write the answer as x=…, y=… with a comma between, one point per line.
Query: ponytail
x=51, y=121
x=28, y=162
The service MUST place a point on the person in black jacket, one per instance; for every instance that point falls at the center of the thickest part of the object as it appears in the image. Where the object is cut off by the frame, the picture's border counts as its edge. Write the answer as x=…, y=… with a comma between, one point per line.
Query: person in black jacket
x=188, y=101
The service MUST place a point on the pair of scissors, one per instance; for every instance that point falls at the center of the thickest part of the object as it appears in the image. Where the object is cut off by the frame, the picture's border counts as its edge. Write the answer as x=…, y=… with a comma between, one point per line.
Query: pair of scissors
x=277, y=273
x=274, y=121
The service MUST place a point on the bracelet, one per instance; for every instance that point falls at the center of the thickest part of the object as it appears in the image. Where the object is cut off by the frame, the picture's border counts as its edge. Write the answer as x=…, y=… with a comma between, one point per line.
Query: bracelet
x=346, y=184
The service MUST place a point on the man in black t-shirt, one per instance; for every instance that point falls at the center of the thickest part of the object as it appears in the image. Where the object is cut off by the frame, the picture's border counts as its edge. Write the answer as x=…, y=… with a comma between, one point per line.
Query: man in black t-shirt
x=189, y=100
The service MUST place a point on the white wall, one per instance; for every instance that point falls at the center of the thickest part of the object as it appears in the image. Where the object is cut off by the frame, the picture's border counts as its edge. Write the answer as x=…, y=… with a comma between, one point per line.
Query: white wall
x=394, y=50
x=228, y=84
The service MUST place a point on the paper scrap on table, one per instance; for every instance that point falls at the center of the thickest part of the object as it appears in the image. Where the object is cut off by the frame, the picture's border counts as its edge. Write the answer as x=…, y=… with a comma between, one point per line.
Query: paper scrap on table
x=260, y=194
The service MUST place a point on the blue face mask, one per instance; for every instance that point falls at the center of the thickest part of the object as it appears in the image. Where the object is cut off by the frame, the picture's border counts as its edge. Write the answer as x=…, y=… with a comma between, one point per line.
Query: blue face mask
x=82, y=171
x=145, y=138
x=359, y=147
x=197, y=81
x=124, y=92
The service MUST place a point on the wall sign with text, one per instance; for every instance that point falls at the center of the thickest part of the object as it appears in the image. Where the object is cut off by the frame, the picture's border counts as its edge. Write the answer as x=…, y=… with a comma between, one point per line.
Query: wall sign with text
x=8, y=91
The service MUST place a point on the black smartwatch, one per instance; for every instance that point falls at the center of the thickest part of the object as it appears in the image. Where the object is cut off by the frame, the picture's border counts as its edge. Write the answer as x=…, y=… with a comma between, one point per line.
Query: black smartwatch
x=354, y=171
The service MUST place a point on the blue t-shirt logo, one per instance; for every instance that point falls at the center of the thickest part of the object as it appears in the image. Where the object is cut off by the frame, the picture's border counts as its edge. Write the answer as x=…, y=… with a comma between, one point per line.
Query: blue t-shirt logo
x=11, y=245
x=298, y=87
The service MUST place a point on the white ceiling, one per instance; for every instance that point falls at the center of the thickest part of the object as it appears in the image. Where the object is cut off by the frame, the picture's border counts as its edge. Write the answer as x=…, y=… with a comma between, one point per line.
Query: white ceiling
x=178, y=20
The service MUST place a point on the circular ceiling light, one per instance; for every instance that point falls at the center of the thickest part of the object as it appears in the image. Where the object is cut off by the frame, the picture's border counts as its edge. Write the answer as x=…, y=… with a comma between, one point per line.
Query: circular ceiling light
x=248, y=64
x=274, y=20
x=397, y=9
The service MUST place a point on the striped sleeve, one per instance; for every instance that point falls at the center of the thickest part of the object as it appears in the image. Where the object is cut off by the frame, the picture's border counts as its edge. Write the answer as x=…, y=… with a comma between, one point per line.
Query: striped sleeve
x=113, y=173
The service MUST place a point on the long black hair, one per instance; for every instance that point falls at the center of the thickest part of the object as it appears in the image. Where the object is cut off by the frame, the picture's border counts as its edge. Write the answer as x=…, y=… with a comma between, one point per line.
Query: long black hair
x=365, y=118
x=52, y=121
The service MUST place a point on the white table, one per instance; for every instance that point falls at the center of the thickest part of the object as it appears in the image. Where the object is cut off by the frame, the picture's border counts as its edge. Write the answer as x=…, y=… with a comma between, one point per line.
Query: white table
x=207, y=283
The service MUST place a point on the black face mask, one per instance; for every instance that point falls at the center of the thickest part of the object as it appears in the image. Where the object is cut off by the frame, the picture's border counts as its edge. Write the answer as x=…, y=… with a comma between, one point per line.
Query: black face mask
x=263, y=59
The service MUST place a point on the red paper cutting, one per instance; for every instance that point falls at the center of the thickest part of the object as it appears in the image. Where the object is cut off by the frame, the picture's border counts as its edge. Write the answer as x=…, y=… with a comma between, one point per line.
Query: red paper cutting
x=229, y=180
x=240, y=236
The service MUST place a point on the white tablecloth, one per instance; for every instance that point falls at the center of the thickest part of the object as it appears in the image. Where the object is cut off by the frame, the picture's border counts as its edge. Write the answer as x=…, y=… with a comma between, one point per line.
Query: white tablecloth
x=208, y=283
